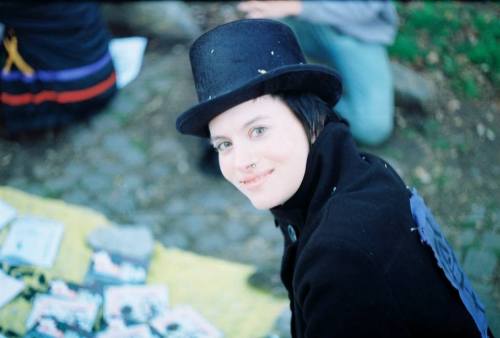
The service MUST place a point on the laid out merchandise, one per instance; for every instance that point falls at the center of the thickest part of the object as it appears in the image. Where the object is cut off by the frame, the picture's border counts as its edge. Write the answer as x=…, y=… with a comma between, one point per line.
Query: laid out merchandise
x=113, y=301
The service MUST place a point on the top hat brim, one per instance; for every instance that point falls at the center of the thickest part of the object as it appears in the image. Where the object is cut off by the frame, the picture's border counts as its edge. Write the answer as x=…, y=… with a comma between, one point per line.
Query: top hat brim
x=306, y=78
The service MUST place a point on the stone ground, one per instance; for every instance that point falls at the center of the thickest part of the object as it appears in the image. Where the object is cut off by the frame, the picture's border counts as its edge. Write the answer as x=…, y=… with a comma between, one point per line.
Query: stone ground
x=130, y=164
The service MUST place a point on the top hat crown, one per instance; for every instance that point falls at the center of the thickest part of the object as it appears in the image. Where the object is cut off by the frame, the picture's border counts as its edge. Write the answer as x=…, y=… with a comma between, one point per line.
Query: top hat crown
x=244, y=59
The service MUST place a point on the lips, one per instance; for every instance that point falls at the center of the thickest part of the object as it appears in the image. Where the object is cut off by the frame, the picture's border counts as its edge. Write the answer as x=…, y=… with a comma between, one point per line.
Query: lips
x=254, y=180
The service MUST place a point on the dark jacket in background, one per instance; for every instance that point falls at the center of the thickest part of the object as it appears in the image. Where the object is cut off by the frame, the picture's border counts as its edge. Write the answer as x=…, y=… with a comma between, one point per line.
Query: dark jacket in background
x=66, y=44
x=354, y=266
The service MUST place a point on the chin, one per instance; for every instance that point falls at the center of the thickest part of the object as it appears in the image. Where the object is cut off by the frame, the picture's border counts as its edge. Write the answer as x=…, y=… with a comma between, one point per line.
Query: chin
x=263, y=204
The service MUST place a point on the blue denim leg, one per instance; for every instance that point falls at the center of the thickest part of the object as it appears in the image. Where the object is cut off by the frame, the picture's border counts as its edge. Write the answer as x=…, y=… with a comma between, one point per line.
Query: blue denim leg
x=368, y=98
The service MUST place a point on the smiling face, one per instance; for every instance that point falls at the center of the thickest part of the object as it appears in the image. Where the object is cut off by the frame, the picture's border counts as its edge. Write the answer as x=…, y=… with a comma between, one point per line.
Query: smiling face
x=262, y=150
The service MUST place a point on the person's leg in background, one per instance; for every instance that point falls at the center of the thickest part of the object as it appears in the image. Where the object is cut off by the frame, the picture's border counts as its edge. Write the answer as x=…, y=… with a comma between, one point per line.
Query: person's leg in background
x=367, y=101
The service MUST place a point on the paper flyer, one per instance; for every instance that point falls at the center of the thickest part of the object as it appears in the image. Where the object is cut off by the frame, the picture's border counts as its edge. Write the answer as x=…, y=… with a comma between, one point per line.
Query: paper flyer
x=32, y=241
x=7, y=214
x=76, y=312
x=10, y=288
x=127, y=55
x=135, y=303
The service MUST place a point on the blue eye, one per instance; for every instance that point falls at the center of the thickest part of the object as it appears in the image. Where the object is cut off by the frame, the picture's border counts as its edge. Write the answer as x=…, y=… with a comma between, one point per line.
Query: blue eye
x=223, y=146
x=257, y=131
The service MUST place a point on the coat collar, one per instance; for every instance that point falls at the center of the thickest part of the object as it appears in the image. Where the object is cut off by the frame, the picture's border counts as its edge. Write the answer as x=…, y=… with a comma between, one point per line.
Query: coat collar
x=332, y=165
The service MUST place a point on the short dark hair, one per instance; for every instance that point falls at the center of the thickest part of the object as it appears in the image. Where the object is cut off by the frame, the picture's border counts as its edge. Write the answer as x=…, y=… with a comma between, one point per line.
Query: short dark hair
x=311, y=110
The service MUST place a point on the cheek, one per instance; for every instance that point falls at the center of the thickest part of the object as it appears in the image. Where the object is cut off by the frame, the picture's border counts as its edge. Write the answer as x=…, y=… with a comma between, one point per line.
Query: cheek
x=225, y=168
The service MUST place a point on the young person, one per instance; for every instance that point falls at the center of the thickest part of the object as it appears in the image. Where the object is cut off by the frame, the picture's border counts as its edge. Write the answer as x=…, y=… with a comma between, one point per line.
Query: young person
x=363, y=256
x=56, y=66
x=352, y=37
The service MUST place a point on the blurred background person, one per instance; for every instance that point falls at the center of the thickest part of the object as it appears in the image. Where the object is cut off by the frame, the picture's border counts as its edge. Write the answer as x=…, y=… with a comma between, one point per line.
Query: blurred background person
x=350, y=36
x=56, y=66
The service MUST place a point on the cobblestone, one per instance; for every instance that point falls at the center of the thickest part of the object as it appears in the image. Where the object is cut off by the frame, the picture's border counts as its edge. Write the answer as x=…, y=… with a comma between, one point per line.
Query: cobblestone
x=491, y=240
x=480, y=264
x=466, y=238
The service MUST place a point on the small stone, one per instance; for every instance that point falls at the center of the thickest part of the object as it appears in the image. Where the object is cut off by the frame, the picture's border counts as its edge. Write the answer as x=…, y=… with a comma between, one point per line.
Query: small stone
x=165, y=147
x=5, y=160
x=453, y=105
x=432, y=58
x=480, y=264
x=176, y=206
x=466, y=238
x=170, y=20
x=236, y=232
x=281, y=327
x=76, y=197
x=105, y=123
x=182, y=167
x=212, y=201
x=122, y=205
x=81, y=138
x=133, y=157
x=177, y=240
x=481, y=129
x=458, y=121
x=131, y=182
x=209, y=243
x=95, y=184
x=158, y=170
x=490, y=135
x=477, y=213
x=41, y=171
x=131, y=240
x=116, y=143
x=411, y=89
x=193, y=225
x=423, y=175
x=491, y=240
x=401, y=121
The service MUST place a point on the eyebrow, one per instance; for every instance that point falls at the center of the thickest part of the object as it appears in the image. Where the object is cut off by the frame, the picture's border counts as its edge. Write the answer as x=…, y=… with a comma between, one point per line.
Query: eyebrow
x=245, y=125
x=255, y=119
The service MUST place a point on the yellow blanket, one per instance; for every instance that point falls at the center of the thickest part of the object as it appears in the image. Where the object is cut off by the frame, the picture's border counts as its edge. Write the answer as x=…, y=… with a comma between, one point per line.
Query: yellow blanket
x=215, y=288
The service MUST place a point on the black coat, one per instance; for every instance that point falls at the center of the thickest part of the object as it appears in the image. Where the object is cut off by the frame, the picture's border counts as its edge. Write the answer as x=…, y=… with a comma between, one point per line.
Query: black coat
x=353, y=264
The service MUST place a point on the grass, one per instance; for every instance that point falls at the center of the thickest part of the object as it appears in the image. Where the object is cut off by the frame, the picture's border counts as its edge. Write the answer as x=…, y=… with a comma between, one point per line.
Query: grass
x=460, y=39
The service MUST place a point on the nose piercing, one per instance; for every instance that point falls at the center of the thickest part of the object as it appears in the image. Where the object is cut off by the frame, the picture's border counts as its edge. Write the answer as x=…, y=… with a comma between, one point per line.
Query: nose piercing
x=253, y=165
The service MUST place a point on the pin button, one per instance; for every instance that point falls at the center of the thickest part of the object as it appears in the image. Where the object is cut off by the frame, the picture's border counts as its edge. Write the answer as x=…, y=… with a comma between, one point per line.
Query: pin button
x=291, y=233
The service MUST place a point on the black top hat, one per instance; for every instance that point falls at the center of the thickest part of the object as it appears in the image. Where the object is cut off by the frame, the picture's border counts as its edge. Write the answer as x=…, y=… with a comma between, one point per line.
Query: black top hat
x=245, y=59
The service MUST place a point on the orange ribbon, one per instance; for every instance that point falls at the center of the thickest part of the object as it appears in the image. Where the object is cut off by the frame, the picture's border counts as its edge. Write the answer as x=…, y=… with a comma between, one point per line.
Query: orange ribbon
x=15, y=58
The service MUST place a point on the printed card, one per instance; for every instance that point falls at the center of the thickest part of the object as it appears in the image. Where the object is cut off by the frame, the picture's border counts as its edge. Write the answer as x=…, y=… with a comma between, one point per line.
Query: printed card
x=134, y=303
x=73, y=291
x=7, y=214
x=75, y=312
x=51, y=328
x=133, y=331
x=112, y=269
x=10, y=288
x=184, y=322
x=32, y=241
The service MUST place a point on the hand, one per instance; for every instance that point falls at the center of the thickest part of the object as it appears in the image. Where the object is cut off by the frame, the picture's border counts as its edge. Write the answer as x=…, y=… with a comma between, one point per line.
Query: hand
x=270, y=9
